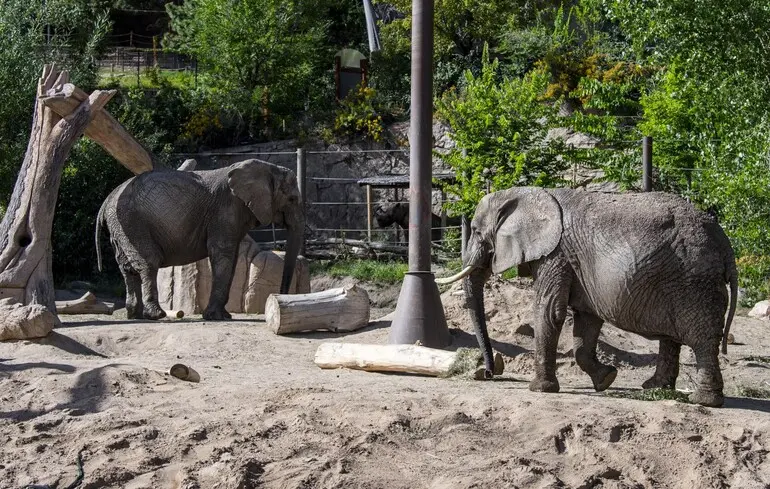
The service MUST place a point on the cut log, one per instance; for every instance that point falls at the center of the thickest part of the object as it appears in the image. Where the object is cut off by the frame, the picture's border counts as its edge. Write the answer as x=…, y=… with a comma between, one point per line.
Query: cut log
x=84, y=305
x=104, y=129
x=411, y=359
x=342, y=309
x=175, y=314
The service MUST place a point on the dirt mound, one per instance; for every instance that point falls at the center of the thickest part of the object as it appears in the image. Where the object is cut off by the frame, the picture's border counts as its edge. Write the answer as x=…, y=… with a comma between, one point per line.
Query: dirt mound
x=263, y=416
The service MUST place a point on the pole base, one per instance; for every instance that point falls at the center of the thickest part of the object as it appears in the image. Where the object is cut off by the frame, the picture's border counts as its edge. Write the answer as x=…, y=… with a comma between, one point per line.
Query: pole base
x=419, y=313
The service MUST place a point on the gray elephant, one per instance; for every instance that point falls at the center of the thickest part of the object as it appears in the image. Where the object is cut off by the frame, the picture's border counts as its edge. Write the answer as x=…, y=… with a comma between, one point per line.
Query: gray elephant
x=387, y=213
x=648, y=263
x=168, y=218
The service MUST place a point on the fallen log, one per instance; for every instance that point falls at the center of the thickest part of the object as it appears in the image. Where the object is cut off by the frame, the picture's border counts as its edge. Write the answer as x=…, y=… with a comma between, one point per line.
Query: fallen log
x=411, y=359
x=174, y=314
x=87, y=304
x=341, y=309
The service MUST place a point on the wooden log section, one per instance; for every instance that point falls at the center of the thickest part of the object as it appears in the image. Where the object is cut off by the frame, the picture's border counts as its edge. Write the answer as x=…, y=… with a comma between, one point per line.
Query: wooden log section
x=412, y=359
x=87, y=304
x=103, y=129
x=341, y=309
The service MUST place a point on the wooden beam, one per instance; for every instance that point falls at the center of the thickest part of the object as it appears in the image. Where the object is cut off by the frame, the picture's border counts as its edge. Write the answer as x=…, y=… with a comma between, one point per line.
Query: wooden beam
x=103, y=129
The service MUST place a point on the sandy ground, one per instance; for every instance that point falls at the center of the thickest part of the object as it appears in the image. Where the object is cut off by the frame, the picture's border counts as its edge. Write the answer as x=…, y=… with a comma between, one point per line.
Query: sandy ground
x=264, y=416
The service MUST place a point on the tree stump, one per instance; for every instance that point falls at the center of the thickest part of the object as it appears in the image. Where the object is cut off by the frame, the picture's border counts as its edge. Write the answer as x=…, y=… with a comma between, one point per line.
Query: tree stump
x=62, y=114
x=342, y=309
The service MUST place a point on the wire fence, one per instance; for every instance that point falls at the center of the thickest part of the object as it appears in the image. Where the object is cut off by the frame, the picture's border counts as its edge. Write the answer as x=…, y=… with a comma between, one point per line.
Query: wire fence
x=349, y=210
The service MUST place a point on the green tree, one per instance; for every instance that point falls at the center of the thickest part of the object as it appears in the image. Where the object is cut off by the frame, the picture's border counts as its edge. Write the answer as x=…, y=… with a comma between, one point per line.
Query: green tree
x=502, y=124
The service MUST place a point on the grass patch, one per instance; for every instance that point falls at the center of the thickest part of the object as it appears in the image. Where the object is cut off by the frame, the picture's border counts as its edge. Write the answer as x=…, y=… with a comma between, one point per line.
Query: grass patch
x=656, y=394
x=753, y=392
x=512, y=272
x=366, y=270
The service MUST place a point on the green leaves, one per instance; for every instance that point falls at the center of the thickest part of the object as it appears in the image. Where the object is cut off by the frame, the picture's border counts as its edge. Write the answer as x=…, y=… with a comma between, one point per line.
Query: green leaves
x=502, y=124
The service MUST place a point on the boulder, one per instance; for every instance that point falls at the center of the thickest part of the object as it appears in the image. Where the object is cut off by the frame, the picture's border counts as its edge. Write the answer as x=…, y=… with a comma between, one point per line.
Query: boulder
x=20, y=322
x=257, y=275
x=761, y=310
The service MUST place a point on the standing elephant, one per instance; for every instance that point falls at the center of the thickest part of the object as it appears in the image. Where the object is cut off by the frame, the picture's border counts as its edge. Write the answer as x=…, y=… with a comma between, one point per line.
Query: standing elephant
x=388, y=213
x=648, y=263
x=167, y=218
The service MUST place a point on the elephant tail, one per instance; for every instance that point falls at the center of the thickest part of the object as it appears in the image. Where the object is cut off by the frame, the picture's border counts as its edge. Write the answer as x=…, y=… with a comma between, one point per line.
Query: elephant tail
x=732, y=278
x=97, y=236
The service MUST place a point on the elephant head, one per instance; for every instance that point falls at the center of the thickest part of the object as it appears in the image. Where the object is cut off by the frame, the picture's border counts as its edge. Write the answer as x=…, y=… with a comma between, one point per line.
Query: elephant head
x=272, y=195
x=387, y=213
x=510, y=228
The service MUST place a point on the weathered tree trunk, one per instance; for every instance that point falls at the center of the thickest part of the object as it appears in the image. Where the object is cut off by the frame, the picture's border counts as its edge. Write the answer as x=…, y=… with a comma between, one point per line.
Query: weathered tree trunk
x=25, y=232
x=342, y=309
x=412, y=359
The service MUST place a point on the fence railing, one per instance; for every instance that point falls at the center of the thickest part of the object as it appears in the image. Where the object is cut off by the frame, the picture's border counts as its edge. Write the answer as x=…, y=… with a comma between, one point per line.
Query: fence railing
x=358, y=205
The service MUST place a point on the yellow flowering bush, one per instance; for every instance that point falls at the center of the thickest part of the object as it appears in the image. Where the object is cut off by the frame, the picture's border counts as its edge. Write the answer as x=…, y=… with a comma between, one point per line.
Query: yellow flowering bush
x=358, y=116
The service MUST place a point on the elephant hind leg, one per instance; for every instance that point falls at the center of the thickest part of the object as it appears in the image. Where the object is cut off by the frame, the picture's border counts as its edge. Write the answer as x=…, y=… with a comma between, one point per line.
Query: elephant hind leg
x=152, y=309
x=585, y=332
x=709, y=378
x=134, y=305
x=667, y=366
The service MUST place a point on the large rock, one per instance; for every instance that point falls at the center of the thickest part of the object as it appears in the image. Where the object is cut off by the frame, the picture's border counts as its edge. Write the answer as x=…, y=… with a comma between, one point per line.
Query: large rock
x=761, y=310
x=257, y=275
x=20, y=322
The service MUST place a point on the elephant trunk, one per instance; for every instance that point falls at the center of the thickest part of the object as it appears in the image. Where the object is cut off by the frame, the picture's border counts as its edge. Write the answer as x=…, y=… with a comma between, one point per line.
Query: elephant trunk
x=473, y=286
x=293, y=245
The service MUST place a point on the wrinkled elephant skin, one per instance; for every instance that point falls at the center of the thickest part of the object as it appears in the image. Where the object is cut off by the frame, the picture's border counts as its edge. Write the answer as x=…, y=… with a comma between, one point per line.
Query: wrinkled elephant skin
x=648, y=263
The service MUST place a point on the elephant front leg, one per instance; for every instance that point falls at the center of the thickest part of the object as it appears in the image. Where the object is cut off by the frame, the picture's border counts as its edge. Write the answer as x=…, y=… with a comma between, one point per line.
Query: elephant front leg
x=586, y=331
x=222, y=268
x=549, y=321
x=152, y=309
x=667, y=366
x=709, y=389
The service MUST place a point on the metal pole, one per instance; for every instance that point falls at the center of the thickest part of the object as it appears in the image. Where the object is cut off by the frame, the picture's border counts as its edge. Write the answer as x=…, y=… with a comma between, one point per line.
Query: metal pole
x=443, y=216
x=397, y=197
x=419, y=314
x=647, y=164
x=302, y=184
x=138, y=81
x=369, y=212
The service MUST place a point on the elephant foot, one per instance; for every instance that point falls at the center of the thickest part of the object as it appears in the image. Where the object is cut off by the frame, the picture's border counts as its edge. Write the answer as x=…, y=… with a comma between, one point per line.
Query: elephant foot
x=541, y=385
x=659, y=382
x=154, y=313
x=212, y=314
x=134, y=312
x=604, y=377
x=707, y=398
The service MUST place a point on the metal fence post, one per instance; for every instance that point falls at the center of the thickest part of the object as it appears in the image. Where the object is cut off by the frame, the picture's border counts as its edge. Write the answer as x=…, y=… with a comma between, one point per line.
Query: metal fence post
x=647, y=164
x=302, y=184
x=369, y=212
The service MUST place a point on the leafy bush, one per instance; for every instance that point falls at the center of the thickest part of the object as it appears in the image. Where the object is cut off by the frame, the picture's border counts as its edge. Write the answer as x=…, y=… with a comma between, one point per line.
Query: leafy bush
x=358, y=116
x=503, y=125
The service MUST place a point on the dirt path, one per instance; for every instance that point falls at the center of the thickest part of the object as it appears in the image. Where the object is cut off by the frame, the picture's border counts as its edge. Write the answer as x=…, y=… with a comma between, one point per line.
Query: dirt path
x=264, y=416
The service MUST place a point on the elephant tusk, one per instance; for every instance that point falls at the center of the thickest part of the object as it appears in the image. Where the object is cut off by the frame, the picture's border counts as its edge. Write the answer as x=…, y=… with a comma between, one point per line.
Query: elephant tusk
x=454, y=278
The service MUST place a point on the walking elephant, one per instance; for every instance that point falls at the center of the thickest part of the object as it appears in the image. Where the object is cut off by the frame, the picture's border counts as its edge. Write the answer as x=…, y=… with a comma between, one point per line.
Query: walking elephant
x=168, y=218
x=648, y=263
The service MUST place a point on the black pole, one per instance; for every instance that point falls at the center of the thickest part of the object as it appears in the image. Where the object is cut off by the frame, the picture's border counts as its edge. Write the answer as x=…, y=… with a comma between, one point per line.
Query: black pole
x=647, y=164
x=420, y=315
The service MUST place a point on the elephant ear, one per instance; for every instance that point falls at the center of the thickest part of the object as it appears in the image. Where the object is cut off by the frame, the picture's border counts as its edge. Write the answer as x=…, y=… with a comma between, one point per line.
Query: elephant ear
x=529, y=226
x=252, y=182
